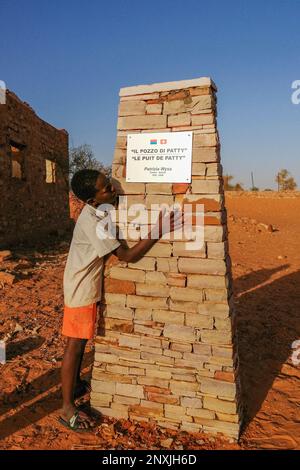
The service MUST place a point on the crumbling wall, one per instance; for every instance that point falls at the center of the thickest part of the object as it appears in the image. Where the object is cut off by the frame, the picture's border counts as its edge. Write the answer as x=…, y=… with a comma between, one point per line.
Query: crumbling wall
x=33, y=174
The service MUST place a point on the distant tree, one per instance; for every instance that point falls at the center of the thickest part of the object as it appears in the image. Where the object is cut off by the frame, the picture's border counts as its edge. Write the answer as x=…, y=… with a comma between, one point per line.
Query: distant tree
x=83, y=157
x=290, y=184
x=280, y=178
x=285, y=182
x=238, y=187
x=231, y=187
x=227, y=179
x=254, y=188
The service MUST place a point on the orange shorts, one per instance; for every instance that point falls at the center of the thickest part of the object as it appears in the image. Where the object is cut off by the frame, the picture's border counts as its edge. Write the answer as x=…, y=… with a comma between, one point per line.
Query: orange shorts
x=80, y=322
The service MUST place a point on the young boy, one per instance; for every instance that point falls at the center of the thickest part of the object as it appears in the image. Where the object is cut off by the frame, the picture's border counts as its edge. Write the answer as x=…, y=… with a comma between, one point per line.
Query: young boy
x=82, y=284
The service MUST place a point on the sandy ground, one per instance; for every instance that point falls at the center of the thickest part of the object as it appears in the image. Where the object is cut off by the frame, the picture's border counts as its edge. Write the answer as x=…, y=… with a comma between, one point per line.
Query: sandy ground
x=266, y=269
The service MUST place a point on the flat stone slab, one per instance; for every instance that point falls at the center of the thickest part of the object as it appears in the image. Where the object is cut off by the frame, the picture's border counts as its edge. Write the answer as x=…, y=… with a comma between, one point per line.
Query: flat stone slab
x=166, y=86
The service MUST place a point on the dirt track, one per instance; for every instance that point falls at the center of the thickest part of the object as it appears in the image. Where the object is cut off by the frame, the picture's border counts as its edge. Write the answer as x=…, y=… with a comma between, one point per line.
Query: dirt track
x=266, y=268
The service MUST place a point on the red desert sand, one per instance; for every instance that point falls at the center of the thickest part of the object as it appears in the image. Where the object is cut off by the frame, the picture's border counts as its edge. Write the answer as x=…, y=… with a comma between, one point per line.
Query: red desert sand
x=265, y=249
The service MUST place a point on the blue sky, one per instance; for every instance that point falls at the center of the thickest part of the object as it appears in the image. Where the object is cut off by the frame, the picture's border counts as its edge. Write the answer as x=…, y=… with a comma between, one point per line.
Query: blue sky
x=69, y=59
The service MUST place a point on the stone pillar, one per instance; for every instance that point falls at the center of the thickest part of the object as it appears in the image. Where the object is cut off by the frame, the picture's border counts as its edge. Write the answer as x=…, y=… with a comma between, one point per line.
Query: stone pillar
x=165, y=348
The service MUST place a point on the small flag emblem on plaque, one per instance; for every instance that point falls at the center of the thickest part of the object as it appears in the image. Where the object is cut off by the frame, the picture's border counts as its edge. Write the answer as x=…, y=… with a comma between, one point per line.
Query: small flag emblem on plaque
x=163, y=141
x=153, y=141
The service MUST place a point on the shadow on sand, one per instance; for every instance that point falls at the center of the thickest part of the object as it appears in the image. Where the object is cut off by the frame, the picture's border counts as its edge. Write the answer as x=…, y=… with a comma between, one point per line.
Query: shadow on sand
x=33, y=412
x=268, y=321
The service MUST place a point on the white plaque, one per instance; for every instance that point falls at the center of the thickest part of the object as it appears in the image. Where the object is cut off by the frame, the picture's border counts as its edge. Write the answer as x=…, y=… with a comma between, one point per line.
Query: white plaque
x=159, y=158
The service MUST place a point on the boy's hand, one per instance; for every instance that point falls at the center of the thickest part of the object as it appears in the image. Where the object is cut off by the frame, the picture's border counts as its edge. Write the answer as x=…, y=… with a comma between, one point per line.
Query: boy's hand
x=168, y=222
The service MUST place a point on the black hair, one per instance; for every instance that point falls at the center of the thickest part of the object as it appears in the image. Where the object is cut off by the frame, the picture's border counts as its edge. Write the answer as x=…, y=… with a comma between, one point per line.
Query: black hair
x=83, y=184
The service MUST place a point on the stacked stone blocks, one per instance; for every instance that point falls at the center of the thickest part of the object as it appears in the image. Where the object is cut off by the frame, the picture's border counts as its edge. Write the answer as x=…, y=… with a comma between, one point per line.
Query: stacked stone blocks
x=166, y=349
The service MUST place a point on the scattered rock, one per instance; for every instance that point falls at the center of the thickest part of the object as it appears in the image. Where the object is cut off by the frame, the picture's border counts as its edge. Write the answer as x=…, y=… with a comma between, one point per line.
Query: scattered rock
x=107, y=431
x=200, y=442
x=179, y=447
x=47, y=309
x=35, y=330
x=6, y=337
x=5, y=255
x=261, y=225
x=18, y=328
x=6, y=278
x=167, y=443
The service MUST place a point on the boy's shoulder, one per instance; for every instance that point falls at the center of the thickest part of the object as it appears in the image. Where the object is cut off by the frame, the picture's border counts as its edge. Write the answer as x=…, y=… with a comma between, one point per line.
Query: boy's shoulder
x=82, y=213
x=88, y=212
x=88, y=230
x=88, y=219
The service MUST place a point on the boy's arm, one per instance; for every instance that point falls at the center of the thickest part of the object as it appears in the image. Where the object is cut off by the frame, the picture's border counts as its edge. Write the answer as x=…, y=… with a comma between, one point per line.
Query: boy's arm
x=131, y=255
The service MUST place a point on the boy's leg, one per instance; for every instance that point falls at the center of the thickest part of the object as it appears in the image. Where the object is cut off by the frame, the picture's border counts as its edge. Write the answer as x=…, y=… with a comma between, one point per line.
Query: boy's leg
x=71, y=362
x=81, y=386
x=79, y=381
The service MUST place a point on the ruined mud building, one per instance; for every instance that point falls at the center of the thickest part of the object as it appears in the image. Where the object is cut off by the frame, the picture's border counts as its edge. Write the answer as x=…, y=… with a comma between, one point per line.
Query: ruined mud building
x=33, y=174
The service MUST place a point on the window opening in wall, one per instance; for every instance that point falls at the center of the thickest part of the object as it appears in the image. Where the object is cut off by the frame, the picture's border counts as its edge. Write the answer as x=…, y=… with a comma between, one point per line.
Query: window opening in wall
x=17, y=153
x=50, y=171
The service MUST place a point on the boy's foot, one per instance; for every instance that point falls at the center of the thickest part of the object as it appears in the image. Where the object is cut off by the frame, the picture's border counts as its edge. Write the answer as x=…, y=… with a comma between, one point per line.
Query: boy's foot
x=76, y=420
x=82, y=387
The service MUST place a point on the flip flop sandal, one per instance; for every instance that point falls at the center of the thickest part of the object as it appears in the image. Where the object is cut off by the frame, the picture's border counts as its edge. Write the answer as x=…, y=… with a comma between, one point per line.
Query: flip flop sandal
x=90, y=411
x=73, y=423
